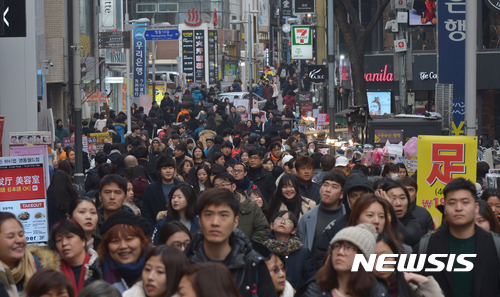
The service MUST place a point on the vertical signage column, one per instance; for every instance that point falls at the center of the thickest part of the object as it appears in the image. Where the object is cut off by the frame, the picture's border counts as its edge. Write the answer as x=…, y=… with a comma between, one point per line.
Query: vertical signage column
x=212, y=56
x=451, y=56
x=199, y=55
x=188, y=55
x=139, y=70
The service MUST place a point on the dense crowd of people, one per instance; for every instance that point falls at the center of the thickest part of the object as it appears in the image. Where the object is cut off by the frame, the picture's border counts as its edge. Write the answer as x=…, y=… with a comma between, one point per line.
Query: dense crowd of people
x=197, y=202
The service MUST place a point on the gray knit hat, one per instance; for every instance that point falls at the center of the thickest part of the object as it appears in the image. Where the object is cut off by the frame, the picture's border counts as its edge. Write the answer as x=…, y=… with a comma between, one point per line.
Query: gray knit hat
x=363, y=236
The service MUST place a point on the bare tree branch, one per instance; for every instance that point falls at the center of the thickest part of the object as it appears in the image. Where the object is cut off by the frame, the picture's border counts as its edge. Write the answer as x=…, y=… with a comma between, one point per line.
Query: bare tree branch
x=353, y=14
x=375, y=19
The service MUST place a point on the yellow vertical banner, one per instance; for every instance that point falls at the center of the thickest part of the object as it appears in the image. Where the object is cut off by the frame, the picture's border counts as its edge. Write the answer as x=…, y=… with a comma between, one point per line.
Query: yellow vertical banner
x=441, y=159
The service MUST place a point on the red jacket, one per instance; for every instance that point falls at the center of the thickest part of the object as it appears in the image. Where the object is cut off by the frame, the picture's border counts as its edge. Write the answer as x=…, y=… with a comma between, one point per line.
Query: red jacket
x=289, y=100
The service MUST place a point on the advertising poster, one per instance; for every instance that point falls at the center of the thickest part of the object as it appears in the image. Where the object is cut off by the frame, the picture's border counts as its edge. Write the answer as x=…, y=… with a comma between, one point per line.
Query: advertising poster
x=306, y=109
x=30, y=138
x=441, y=159
x=242, y=108
x=35, y=150
x=379, y=103
x=96, y=97
x=263, y=16
x=22, y=192
x=70, y=141
x=97, y=140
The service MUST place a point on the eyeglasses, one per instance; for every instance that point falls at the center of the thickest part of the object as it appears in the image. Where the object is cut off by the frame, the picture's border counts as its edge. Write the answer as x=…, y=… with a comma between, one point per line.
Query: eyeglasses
x=181, y=245
x=282, y=220
x=276, y=270
x=221, y=185
x=254, y=158
x=348, y=248
x=238, y=171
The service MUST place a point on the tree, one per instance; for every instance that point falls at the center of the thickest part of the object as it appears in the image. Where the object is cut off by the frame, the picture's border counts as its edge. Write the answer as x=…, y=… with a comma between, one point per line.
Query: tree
x=355, y=37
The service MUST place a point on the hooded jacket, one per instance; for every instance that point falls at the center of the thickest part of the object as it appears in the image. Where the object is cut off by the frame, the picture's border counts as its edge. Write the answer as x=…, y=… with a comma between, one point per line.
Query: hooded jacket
x=355, y=181
x=252, y=221
x=246, y=265
x=197, y=96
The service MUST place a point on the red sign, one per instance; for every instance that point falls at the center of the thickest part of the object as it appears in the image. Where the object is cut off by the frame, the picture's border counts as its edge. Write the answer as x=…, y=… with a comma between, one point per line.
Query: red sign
x=194, y=19
x=306, y=109
x=31, y=205
x=382, y=76
x=22, y=183
x=444, y=158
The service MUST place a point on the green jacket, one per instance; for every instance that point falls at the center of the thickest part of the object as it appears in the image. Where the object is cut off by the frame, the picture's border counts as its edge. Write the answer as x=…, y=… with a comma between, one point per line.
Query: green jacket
x=252, y=220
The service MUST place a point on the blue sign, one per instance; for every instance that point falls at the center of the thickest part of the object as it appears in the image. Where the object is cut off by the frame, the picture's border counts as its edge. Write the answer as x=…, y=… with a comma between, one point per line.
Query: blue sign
x=139, y=59
x=162, y=34
x=451, y=56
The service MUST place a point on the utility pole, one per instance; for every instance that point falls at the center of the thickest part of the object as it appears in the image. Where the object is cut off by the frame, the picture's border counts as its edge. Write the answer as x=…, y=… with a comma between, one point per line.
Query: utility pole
x=470, y=66
x=402, y=68
x=154, y=63
x=331, y=69
x=77, y=98
x=250, y=54
x=127, y=63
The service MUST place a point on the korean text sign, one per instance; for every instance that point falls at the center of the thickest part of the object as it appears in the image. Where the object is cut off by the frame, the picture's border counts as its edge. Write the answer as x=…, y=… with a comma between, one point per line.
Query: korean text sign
x=440, y=160
x=22, y=192
x=139, y=59
x=451, y=56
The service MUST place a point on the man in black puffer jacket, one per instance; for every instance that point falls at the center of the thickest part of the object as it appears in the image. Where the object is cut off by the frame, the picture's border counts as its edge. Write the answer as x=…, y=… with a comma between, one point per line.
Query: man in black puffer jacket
x=220, y=241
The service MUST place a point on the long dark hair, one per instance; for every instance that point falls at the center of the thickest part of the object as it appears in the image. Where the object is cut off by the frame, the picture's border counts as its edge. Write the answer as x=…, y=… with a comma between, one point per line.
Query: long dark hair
x=208, y=278
x=190, y=194
x=169, y=229
x=295, y=205
x=62, y=190
x=487, y=213
x=193, y=177
x=360, y=283
x=175, y=262
x=365, y=201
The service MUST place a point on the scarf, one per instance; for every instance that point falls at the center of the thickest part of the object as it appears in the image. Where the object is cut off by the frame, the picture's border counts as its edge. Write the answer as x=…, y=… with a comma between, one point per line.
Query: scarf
x=284, y=248
x=243, y=184
x=113, y=272
x=66, y=270
x=7, y=280
x=25, y=268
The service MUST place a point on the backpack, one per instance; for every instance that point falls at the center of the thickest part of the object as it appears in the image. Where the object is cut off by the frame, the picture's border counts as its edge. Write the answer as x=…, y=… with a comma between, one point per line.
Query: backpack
x=283, y=73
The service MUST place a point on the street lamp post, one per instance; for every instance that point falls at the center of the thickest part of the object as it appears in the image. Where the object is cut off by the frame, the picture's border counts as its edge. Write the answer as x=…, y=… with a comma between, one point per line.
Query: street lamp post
x=249, y=45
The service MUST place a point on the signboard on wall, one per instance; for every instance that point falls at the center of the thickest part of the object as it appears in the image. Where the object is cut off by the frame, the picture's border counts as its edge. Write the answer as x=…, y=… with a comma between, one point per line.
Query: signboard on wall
x=304, y=6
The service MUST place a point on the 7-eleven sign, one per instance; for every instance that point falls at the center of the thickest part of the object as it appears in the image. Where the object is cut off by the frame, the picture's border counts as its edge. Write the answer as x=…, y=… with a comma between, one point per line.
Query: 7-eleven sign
x=302, y=48
x=301, y=35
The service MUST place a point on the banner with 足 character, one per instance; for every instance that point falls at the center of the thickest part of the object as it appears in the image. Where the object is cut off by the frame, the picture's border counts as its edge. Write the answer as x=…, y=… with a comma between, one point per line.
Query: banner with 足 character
x=22, y=192
x=441, y=159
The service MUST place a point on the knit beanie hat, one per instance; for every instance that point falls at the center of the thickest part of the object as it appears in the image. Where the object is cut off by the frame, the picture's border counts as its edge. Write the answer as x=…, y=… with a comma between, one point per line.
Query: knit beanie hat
x=363, y=236
x=126, y=217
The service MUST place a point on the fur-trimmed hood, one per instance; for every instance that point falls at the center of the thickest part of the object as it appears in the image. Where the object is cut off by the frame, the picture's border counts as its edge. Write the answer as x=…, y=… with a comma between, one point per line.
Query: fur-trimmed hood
x=47, y=257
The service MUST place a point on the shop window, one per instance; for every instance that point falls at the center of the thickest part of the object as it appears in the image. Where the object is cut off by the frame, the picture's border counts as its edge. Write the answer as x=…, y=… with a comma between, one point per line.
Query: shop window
x=490, y=29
